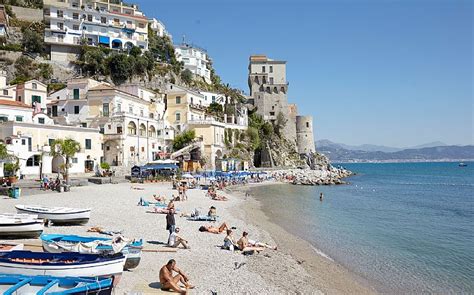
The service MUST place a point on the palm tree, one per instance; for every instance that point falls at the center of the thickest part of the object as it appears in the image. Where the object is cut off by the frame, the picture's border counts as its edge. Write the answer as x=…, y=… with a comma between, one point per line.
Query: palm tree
x=231, y=96
x=66, y=148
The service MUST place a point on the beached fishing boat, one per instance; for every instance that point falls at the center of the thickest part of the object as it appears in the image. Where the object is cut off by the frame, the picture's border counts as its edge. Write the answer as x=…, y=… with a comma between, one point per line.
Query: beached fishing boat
x=61, y=264
x=58, y=215
x=20, y=226
x=57, y=243
x=20, y=284
x=5, y=247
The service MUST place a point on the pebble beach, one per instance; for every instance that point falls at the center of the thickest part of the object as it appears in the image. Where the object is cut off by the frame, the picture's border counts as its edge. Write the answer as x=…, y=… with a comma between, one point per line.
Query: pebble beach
x=294, y=268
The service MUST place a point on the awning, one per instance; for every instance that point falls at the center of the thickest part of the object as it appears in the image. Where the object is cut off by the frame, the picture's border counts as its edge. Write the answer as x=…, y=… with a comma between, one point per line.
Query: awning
x=160, y=166
x=104, y=40
x=117, y=41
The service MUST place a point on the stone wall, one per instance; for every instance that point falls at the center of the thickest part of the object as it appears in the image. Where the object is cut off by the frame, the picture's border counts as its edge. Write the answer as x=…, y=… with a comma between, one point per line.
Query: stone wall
x=28, y=14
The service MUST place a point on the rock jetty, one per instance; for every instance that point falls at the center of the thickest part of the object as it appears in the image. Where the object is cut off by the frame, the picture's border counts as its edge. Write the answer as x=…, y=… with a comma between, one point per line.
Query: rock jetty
x=329, y=176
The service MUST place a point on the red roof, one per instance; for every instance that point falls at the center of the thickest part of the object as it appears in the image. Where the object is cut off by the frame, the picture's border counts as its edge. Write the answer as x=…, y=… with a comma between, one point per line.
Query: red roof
x=13, y=103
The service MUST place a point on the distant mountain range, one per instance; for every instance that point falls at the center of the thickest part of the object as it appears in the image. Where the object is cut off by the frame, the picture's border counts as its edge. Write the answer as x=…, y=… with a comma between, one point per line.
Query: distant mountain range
x=434, y=151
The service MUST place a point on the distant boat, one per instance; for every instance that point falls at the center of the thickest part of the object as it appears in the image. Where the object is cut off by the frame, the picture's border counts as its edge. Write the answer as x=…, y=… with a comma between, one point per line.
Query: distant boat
x=58, y=215
x=57, y=243
x=61, y=264
x=20, y=226
x=20, y=284
x=462, y=164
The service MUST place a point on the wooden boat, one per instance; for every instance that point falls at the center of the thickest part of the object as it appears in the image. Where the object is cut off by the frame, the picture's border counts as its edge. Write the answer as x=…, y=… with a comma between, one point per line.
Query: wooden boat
x=20, y=226
x=20, y=284
x=57, y=243
x=61, y=264
x=57, y=215
x=5, y=247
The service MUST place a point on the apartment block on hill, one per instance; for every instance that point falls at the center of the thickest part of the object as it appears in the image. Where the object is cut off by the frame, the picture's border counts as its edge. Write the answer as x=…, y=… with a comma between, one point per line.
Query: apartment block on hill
x=106, y=23
x=195, y=59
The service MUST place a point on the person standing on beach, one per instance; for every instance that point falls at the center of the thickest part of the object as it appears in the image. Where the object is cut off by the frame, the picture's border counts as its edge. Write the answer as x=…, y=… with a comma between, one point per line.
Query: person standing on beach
x=170, y=222
x=169, y=282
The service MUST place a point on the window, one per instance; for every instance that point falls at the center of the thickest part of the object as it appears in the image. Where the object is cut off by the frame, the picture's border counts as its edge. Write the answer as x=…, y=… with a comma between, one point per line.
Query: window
x=119, y=129
x=84, y=125
x=142, y=130
x=34, y=86
x=271, y=80
x=141, y=113
x=75, y=15
x=54, y=111
x=178, y=117
x=60, y=13
x=76, y=109
x=307, y=124
x=213, y=98
x=143, y=149
x=130, y=109
x=5, y=92
x=61, y=27
x=116, y=21
x=75, y=27
x=105, y=109
x=272, y=113
x=89, y=17
x=132, y=128
x=33, y=161
x=102, y=130
x=51, y=141
x=271, y=69
x=178, y=99
x=19, y=118
x=41, y=120
x=119, y=107
x=88, y=144
x=141, y=25
x=23, y=142
x=74, y=160
x=103, y=20
x=75, y=93
x=263, y=69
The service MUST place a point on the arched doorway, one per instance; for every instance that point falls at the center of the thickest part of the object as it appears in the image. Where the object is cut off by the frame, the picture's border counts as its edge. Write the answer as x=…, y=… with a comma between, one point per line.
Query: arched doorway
x=57, y=164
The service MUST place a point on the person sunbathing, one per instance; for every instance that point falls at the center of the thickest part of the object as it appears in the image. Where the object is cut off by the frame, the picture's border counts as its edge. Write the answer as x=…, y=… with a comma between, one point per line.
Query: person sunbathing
x=214, y=230
x=219, y=198
x=229, y=241
x=160, y=199
x=245, y=244
x=169, y=282
x=174, y=240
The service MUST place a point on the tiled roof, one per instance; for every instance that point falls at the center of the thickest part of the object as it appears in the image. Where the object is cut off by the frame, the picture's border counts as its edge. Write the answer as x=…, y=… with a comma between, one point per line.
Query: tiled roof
x=13, y=103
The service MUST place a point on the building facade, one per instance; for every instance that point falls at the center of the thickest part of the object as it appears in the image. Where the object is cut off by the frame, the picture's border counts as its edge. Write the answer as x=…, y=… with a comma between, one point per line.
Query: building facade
x=32, y=92
x=107, y=23
x=195, y=59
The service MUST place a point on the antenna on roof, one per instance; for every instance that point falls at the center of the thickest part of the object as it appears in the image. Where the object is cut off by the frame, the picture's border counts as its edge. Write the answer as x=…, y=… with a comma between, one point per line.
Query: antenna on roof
x=184, y=39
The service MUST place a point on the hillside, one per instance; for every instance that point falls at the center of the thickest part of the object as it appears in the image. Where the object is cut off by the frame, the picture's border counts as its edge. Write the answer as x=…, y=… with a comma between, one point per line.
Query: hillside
x=440, y=153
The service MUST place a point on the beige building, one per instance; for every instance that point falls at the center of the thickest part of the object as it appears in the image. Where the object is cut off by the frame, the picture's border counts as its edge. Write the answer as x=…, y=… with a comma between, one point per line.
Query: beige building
x=31, y=92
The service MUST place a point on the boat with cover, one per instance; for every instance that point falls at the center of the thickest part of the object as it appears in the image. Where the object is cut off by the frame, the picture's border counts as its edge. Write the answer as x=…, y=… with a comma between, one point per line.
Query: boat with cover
x=57, y=215
x=57, y=243
x=20, y=284
x=20, y=226
x=61, y=264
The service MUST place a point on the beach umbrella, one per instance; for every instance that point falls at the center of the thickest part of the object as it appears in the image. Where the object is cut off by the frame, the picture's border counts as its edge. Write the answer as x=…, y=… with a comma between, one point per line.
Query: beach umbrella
x=187, y=175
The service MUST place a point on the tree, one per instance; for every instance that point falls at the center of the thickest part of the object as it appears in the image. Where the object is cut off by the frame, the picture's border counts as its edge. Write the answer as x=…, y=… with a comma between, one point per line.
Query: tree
x=24, y=69
x=183, y=139
x=32, y=41
x=120, y=68
x=65, y=148
x=135, y=51
x=215, y=109
x=45, y=71
x=92, y=61
x=187, y=77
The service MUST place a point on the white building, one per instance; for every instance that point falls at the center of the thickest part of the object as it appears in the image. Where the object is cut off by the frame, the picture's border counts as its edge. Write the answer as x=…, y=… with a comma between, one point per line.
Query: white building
x=108, y=23
x=195, y=59
x=32, y=92
x=30, y=137
x=158, y=27
x=213, y=97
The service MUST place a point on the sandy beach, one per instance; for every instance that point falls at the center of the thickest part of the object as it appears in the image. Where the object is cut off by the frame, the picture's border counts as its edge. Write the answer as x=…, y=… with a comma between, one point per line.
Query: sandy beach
x=294, y=268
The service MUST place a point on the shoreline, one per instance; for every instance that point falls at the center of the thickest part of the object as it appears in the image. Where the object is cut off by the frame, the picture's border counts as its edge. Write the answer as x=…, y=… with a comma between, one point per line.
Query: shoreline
x=327, y=275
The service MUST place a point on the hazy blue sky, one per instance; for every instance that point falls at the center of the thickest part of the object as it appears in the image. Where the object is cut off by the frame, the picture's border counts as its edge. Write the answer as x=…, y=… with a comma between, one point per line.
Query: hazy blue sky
x=398, y=73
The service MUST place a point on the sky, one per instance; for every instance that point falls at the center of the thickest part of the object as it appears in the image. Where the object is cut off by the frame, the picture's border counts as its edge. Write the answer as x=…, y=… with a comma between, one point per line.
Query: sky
x=396, y=73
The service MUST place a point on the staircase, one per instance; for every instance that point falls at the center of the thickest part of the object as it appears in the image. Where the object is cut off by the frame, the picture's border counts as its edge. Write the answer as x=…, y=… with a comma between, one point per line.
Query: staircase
x=187, y=149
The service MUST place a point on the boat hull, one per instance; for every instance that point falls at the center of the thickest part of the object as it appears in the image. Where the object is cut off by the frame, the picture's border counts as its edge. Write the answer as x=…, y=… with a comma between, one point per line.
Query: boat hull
x=29, y=229
x=79, y=217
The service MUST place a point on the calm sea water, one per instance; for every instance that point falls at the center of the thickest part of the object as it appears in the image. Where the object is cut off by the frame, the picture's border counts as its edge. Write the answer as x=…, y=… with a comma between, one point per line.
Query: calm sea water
x=406, y=227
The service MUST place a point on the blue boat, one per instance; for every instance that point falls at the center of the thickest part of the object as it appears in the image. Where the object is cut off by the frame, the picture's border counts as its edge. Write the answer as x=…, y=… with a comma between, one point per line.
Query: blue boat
x=57, y=243
x=48, y=285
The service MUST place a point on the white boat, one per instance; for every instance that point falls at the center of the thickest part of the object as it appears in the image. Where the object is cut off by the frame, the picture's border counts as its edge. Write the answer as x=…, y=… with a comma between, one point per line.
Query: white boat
x=20, y=226
x=6, y=247
x=57, y=215
x=61, y=264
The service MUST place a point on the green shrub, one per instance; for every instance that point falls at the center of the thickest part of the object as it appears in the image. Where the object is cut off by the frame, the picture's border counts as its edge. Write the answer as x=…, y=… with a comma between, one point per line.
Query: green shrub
x=105, y=165
x=11, y=47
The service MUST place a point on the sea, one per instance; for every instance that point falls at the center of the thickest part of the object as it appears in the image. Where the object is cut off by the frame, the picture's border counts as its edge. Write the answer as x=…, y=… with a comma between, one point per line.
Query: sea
x=404, y=227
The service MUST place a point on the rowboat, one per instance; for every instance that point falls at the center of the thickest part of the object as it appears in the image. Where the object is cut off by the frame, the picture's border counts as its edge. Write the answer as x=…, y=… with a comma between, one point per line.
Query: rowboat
x=57, y=243
x=20, y=284
x=5, y=247
x=57, y=215
x=20, y=226
x=61, y=264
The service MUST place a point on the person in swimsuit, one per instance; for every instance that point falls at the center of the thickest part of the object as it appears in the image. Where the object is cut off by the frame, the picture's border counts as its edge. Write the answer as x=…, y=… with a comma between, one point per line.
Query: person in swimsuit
x=214, y=230
x=170, y=282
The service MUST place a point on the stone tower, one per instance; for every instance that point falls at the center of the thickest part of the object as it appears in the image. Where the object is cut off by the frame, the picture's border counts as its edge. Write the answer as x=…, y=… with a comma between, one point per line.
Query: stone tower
x=269, y=88
x=304, y=134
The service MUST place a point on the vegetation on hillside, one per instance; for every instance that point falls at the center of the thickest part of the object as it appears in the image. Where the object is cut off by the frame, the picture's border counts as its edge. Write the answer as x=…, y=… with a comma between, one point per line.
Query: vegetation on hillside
x=38, y=4
x=183, y=139
x=27, y=69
